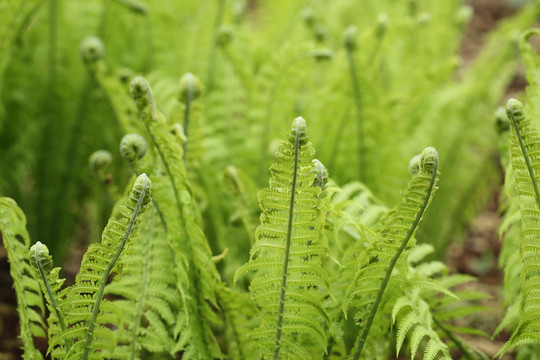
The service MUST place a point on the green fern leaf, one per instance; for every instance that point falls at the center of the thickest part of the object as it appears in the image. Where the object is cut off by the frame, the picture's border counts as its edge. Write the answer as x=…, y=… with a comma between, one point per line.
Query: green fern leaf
x=150, y=298
x=51, y=286
x=524, y=145
x=239, y=319
x=29, y=301
x=384, y=256
x=187, y=239
x=87, y=312
x=287, y=256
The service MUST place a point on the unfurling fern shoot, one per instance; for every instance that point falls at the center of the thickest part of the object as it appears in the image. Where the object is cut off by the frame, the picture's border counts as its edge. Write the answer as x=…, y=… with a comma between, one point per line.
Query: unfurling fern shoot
x=190, y=89
x=524, y=147
x=88, y=311
x=366, y=292
x=290, y=281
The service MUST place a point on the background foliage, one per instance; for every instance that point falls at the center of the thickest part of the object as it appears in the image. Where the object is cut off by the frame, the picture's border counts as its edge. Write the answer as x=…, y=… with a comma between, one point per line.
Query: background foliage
x=377, y=81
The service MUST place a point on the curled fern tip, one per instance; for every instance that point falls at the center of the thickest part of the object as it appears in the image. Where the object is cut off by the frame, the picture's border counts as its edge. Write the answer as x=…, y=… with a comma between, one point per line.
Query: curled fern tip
x=514, y=107
x=91, y=49
x=40, y=252
x=299, y=127
x=429, y=160
x=190, y=87
x=100, y=160
x=133, y=147
x=414, y=164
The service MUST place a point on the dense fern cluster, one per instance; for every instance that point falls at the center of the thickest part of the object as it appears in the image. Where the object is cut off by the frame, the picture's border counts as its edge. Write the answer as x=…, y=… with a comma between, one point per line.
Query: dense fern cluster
x=192, y=263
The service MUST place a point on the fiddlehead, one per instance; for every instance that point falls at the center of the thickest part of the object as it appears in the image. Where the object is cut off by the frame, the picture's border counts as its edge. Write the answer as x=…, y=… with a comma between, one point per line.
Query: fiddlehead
x=51, y=285
x=189, y=242
x=91, y=50
x=190, y=89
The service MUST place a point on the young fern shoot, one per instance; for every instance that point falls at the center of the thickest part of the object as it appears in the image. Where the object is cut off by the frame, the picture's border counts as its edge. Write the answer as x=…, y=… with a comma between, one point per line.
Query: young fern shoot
x=367, y=290
x=29, y=301
x=87, y=312
x=290, y=281
x=190, y=89
x=187, y=240
x=524, y=147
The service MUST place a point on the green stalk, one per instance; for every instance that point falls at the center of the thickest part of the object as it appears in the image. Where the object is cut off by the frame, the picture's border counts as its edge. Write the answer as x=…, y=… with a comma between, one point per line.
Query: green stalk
x=464, y=351
x=319, y=54
x=359, y=114
x=52, y=298
x=143, y=292
x=212, y=62
x=513, y=106
x=288, y=241
x=393, y=262
x=187, y=115
x=192, y=279
x=103, y=282
x=53, y=37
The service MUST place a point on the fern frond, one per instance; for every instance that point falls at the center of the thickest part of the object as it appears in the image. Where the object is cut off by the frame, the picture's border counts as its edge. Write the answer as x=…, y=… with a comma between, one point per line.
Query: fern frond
x=29, y=301
x=366, y=291
x=87, y=312
x=189, y=241
x=150, y=298
x=51, y=286
x=114, y=89
x=524, y=148
x=287, y=256
x=239, y=313
x=416, y=322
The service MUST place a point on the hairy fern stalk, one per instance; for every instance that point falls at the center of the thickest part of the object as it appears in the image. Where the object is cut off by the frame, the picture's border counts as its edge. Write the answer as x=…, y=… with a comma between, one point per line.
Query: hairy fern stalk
x=287, y=255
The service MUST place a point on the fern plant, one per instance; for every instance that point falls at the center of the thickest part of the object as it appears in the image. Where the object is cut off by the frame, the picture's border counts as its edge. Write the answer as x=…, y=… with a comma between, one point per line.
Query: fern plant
x=287, y=256
x=334, y=271
x=523, y=142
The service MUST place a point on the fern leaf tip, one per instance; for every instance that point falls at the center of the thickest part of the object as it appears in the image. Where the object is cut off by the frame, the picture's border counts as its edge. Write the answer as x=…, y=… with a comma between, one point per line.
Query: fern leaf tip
x=142, y=187
x=514, y=107
x=139, y=86
x=349, y=37
x=190, y=87
x=133, y=147
x=91, y=49
x=429, y=160
x=40, y=252
x=414, y=164
x=321, y=172
x=299, y=127
x=100, y=160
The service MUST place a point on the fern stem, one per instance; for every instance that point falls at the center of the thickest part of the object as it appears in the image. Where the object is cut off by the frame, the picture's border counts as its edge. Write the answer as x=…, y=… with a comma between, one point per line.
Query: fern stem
x=515, y=108
x=103, y=282
x=53, y=37
x=103, y=19
x=341, y=126
x=212, y=63
x=52, y=298
x=284, y=274
x=143, y=291
x=359, y=113
x=320, y=54
x=393, y=262
x=464, y=351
